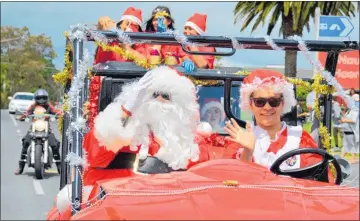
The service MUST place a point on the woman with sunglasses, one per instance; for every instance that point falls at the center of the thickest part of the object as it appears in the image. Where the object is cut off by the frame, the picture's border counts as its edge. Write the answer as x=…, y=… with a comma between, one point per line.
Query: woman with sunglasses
x=267, y=95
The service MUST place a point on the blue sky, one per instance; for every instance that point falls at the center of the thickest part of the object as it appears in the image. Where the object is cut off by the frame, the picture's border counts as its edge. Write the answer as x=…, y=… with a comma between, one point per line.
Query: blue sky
x=53, y=18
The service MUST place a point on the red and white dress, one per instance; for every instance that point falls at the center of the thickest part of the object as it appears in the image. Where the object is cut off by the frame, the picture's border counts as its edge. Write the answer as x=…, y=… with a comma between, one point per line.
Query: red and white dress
x=266, y=151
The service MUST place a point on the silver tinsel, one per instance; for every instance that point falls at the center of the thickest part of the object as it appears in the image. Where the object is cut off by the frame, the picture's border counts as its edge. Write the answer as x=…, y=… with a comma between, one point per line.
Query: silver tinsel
x=272, y=44
x=319, y=68
x=182, y=39
x=74, y=160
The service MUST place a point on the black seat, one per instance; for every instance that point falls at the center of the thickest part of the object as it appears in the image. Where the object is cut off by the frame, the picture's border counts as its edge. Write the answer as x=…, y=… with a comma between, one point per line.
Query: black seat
x=110, y=88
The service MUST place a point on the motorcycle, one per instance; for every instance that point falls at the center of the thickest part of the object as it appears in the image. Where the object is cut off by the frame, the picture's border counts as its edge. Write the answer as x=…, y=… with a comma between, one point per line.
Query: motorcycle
x=39, y=153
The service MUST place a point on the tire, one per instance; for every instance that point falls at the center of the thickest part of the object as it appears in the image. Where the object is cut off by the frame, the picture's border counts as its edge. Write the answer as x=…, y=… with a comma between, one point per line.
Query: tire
x=39, y=164
x=10, y=112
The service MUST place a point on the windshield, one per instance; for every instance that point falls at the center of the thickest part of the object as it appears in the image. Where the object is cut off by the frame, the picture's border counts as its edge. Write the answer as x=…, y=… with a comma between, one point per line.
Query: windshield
x=24, y=97
x=211, y=101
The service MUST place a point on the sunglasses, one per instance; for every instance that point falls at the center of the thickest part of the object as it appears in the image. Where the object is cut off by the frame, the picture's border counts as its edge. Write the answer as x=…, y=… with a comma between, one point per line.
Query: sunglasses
x=272, y=101
x=163, y=95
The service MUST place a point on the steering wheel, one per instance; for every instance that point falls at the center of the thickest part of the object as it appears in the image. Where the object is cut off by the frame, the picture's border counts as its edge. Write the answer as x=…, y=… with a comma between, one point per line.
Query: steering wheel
x=317, y=171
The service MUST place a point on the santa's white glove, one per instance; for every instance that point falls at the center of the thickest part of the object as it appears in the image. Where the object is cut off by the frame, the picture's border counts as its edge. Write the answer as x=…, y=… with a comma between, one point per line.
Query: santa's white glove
x=135, y=100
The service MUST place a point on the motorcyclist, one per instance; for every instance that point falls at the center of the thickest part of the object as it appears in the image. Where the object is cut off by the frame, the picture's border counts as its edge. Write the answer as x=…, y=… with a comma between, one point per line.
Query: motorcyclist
x=41, y=99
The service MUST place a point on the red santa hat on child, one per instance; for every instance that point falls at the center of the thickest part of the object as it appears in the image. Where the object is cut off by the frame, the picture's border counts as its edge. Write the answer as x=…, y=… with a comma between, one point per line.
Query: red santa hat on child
x=197, y=22
x=267, y=79
x=132, y=14
x=210, y=103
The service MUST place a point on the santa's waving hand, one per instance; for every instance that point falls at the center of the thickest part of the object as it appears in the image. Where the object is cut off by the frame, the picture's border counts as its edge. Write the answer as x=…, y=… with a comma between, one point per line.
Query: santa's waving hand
x=134, y=101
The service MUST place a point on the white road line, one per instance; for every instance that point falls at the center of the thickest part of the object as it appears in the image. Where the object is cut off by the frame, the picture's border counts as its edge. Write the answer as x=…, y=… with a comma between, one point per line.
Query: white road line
x=38, y=188
x=18, y=131
x=12, y=117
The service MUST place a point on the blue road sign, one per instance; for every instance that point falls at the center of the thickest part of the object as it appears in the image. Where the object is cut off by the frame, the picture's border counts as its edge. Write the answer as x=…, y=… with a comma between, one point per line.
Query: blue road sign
x=335, y=26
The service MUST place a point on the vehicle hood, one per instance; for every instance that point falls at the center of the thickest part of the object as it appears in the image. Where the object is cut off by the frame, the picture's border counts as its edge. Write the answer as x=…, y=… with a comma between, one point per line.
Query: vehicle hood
x=201, y=194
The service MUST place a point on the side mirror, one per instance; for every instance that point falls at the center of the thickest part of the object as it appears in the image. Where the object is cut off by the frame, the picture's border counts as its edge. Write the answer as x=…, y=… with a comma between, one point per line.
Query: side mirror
x=9, y=98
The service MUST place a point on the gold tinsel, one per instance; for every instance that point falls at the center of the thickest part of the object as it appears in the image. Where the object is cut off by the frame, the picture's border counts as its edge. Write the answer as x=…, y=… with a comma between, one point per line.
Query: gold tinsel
x=161, y=14
x=323, y=132
x=61, y=116
x=63, y=76
x=127, y=55
x=319, y=89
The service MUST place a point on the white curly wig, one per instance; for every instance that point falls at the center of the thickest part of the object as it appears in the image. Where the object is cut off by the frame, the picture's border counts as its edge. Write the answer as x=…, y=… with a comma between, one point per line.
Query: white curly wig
x=267, y=79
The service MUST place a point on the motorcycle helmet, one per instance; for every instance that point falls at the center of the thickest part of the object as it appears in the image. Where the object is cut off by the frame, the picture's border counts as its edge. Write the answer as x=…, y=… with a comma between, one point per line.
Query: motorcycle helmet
x=41, y=97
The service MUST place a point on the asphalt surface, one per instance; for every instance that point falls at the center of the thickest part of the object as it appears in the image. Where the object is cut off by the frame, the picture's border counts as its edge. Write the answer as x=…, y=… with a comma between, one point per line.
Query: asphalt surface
x=25, y=198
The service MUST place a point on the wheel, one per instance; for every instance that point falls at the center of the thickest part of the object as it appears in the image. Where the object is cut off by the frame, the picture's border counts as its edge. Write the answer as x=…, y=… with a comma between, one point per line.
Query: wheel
x=39, y=164
x=313, y=172
x=11, y=112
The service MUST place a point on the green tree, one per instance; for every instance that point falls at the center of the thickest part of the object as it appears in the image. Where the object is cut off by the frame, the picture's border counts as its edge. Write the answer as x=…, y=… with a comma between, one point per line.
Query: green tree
x=295, y=16
x=27, y=62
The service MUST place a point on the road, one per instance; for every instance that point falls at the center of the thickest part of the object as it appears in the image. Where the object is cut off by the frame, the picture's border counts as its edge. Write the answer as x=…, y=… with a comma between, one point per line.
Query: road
x=25, y=198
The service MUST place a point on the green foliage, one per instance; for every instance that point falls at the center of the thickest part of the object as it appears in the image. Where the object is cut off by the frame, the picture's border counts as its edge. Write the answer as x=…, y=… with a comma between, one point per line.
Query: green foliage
x=301, y=93
x=26, y=63
x=298, y=13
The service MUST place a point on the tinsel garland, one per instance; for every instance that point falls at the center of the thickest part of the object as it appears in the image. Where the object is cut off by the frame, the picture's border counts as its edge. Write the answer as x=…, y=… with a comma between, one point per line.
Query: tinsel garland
x=126, y=54
x=63, y=76
x=65, y=108
x=95, y=86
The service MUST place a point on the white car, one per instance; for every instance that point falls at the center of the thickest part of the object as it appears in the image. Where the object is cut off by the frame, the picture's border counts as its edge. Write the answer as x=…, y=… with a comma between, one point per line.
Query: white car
x=20, y=102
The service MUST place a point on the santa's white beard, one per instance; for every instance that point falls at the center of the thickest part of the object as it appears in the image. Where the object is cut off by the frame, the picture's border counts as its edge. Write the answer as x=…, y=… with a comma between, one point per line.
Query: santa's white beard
x=175, y=131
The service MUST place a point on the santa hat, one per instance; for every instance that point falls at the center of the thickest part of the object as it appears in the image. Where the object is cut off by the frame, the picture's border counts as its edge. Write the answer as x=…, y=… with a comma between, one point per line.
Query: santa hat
x=213, y=102
x=197, y=22
x=132, y=14
x=267, y=79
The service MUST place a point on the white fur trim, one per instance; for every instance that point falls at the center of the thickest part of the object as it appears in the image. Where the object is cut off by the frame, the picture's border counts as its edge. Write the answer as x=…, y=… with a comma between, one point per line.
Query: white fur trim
x=279, y=86
x=211, y=104
x=131, y=18
x=195, y=27
x=204, y=129
x=108, y=124
x=264, y=158
x=63, y=199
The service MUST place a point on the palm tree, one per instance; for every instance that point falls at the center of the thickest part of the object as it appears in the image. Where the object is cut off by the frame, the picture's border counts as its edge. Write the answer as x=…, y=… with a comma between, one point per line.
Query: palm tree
x=295, y=16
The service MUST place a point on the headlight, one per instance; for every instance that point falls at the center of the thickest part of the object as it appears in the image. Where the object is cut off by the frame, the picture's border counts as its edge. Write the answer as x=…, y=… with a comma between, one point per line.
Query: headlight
x=40, y=125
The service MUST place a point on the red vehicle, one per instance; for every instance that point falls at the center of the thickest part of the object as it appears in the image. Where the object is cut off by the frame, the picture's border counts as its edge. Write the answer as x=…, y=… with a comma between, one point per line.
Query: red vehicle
x=219, y=189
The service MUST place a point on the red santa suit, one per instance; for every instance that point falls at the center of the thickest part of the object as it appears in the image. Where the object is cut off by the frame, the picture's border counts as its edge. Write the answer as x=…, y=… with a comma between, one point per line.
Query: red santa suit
x=134, y=15
x=198, y=23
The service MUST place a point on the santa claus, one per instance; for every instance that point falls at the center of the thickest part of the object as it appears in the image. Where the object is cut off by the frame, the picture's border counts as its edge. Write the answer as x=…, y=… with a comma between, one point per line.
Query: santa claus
x=156, y=116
